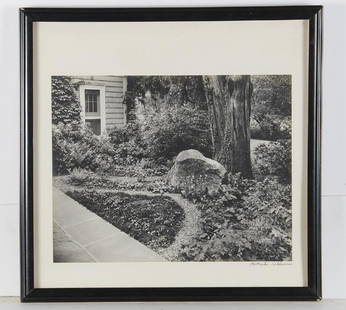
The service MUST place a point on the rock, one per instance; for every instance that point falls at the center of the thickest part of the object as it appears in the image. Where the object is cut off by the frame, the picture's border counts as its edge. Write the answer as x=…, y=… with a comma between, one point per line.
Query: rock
x=194, y=174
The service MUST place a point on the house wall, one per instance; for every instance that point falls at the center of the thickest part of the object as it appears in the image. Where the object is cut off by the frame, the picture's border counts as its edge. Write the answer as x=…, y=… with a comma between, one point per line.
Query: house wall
x=115, y=87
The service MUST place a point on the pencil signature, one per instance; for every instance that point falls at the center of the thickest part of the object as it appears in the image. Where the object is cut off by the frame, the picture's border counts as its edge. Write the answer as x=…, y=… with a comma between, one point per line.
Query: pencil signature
x=271, y=263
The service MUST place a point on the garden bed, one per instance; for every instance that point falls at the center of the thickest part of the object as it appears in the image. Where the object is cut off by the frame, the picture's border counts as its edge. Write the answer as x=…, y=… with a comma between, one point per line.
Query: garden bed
x=82, y=179
x=251, y=221
x=153, y=221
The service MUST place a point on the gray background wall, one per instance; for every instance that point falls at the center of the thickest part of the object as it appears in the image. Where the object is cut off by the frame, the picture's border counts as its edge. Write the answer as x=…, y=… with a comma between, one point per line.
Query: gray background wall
x=334, y=132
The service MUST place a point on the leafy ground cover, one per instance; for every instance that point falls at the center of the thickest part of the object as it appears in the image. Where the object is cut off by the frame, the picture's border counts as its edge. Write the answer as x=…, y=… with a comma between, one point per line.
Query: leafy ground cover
x=248, y=221
x=154, y=221
x=85, y=179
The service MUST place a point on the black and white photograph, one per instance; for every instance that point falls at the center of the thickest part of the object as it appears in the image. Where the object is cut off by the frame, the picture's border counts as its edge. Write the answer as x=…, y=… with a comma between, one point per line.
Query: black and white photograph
x=170, y=154
x=171, y=168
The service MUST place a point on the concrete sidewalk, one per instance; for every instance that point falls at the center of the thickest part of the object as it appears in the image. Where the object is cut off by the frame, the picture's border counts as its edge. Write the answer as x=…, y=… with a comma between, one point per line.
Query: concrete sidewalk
x=82, y=236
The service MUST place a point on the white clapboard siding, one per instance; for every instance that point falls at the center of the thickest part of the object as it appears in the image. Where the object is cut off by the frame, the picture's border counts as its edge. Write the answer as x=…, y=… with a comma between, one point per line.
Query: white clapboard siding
x=115, y=109
x=107, y=78
x=101, y=78
x=114, y=94
x=114, y=84
x=115, y=87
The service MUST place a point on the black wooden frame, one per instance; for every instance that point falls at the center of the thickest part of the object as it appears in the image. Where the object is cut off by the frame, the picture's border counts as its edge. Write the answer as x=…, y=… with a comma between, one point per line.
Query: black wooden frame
x=312, y=292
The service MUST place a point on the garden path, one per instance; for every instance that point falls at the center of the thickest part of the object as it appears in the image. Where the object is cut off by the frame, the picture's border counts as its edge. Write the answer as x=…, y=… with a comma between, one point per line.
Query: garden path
x=82, y=236
x=191, y=223
x=190, y=229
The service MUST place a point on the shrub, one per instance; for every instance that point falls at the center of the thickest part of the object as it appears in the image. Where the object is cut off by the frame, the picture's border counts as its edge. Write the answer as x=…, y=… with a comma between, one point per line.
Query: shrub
x=269, y=197
x=80, y=176
x=160, y=186
x=248, y=221
x=172, y=129
x=128, y=144
x=266, y=212
x=274, y=159
x=77, y=147
x=129, y=153
x=147, y=163
x=286, y=128
x=270, y=127
x=130, y=131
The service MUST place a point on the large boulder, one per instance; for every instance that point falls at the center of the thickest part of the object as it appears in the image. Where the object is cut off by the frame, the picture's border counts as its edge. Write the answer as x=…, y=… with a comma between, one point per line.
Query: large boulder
x=193, y=174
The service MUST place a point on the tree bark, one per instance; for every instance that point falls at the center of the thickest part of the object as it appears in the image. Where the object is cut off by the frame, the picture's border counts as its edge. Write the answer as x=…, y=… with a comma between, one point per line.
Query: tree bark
x=228, y=99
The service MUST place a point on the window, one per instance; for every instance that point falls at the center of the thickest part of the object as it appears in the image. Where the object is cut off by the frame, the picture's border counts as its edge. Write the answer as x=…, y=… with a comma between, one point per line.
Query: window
x=92, y=100
x=94, y=125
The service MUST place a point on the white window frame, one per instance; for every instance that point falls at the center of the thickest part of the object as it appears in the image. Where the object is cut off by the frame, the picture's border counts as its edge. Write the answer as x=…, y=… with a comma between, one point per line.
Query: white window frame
x=102, y=116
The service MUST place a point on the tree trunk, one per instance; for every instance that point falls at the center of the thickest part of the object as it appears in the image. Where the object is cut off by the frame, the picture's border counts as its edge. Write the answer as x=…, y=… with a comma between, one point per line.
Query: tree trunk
x=228, y=99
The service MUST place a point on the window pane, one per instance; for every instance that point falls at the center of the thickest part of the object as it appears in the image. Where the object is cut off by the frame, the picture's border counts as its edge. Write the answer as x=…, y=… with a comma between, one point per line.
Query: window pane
x=94, y=125
x=92, y=102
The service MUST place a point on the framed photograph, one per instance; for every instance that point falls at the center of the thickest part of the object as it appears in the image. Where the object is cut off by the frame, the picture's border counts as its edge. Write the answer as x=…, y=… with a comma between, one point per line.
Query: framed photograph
x=170, y=154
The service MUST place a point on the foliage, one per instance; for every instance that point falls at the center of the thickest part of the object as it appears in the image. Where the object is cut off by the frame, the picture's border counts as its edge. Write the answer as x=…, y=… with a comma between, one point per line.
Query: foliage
x=272, y=93
x=130, y=131
x=270, y=127
x=130, y=153
x=130, y=100
x=137, y=171
x=65, y=105
x=128, y=144
x=175, y=117
x=172, y=129
x=188, y=90
x=173, y=89
x=248, y=221
x=153, y=221
x=80, y=176
x=274, y=159
x=271, y=107
x=78, y=147
x=269, y=197
x=146, y=163
x=160, y=186
x=121, y=153
x=88, y=179
x=141, y=182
